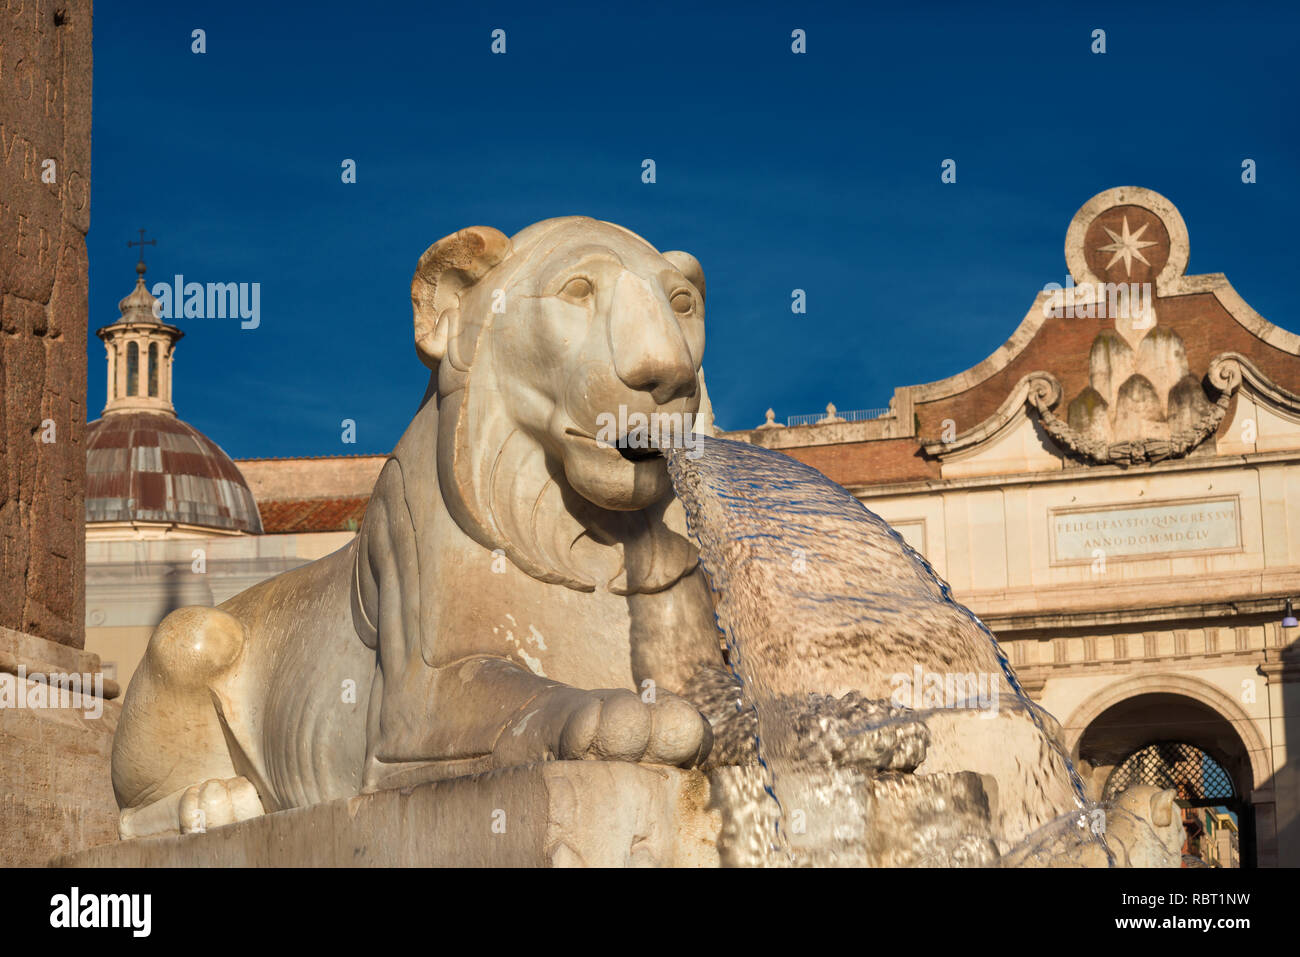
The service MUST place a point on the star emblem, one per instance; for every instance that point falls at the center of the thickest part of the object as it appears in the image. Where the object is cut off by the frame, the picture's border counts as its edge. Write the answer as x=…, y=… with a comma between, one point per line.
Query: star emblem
x=1127, y=246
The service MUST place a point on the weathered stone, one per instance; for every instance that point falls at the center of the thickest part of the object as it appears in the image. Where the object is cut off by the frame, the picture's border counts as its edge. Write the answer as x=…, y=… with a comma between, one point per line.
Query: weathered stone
x=853, y=818
x=45, y=76
x=54, y=760
x=558, y=814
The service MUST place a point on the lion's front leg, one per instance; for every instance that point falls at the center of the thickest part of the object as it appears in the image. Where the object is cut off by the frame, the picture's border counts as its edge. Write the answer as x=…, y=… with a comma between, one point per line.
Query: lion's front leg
x=488, y=711
x=572, y=724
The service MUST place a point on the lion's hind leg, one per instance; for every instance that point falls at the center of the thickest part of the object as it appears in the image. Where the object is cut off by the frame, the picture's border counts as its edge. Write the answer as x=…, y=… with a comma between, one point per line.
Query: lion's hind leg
x=173, y=769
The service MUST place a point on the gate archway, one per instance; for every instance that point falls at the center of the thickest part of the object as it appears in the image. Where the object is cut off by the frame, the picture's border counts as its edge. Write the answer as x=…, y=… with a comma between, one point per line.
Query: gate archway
x=1198, y=745
x=1201, y=783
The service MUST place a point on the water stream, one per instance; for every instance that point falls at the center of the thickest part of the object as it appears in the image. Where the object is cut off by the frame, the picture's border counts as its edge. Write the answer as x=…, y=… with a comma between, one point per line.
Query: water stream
x=816, y=594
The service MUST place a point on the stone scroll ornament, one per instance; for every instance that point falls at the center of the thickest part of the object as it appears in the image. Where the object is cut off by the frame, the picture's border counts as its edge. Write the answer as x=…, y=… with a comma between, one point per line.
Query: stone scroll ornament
x=1224, y=376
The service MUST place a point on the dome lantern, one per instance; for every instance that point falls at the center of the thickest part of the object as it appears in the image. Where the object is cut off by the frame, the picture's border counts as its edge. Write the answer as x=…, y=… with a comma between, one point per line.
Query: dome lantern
x=139, y=348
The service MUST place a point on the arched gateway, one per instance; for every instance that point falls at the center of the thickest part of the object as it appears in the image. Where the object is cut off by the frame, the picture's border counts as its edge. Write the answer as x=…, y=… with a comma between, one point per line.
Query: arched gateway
x=1178, y=731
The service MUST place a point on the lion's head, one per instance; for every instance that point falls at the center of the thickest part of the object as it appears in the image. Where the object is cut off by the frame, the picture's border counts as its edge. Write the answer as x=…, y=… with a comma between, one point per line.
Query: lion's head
x=538, y=343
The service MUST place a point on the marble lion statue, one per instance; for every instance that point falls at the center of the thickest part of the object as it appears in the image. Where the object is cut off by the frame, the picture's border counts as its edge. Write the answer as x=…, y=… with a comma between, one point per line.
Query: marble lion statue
x=522, y=589
x=518, y=591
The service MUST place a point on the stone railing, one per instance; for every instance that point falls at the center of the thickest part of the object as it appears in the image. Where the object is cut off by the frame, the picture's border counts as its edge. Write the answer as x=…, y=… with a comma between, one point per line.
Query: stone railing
x=833, y=415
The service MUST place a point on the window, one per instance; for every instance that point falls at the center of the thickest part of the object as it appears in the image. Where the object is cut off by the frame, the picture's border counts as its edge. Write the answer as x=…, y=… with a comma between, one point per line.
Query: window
x=132, y=369
x=153, y=368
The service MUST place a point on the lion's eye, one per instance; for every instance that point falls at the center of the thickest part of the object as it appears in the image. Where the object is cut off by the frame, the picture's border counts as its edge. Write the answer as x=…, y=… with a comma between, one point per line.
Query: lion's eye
x=576, y=289
x=683, y=302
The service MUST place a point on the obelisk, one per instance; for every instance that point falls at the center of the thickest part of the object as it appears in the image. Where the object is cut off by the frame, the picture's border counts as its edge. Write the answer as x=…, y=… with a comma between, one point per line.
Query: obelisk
x=55, y=792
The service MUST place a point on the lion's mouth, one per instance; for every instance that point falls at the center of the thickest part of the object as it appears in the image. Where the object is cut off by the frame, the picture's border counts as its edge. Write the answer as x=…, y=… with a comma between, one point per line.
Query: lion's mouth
x=637, y=455
x=629, y=453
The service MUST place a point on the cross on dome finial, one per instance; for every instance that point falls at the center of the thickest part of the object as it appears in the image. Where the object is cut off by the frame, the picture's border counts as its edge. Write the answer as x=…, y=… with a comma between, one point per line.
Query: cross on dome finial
x=141, y=242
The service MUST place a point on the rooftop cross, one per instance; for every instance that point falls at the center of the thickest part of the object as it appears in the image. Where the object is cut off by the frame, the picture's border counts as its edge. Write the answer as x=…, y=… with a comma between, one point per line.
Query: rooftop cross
x=141, y=242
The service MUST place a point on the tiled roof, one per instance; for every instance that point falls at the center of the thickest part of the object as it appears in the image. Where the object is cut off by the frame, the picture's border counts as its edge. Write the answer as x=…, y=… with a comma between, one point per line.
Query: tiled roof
x=314, y=515
x=152, y=467
x=312, y=458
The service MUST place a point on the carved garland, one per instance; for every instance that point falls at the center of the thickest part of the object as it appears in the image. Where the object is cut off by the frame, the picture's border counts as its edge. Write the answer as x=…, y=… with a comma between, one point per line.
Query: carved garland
x=1045, y=392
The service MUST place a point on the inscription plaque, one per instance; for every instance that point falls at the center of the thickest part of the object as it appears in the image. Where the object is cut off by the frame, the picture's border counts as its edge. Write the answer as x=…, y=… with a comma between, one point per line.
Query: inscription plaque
x=1148, y=530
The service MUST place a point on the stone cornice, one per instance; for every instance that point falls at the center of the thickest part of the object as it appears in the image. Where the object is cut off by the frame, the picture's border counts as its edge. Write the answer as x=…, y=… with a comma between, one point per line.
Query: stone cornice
x=995, y=363
x=1010, y=411
x=1281, y=664
x=1034, y=677
x=1080, y=473
x=1073, y=608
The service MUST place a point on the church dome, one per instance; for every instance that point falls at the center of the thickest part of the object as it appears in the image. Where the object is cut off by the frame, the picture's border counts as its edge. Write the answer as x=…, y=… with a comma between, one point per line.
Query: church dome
x=146, y=466
x=143, y=464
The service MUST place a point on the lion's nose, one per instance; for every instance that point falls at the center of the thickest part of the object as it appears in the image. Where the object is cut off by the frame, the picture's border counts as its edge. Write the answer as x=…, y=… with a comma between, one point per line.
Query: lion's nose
x=648, y=347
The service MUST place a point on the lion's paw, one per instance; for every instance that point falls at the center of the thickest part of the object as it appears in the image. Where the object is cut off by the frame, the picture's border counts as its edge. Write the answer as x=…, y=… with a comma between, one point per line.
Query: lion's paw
x=609, y=725
x=217, y=802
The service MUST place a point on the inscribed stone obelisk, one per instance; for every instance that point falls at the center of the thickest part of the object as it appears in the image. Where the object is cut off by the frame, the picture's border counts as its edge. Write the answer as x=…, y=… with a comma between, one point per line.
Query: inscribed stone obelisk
x=54, y=791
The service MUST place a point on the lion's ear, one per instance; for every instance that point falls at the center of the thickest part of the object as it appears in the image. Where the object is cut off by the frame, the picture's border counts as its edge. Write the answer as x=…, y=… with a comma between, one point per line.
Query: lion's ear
x=1162, y=807
x=447, y=268
x=689, y=267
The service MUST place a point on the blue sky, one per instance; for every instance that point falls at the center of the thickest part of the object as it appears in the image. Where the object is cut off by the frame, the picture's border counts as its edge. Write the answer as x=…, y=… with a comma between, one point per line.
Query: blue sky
x=778, y=171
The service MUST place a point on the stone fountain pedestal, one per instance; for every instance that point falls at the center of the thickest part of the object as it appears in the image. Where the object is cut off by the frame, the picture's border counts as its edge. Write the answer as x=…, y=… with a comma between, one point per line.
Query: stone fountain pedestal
x=557, y=814
x=55, y=792
x=594, y=814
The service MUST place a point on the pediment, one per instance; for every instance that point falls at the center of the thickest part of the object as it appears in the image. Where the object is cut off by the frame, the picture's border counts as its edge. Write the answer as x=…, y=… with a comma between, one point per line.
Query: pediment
x=1128, y=360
